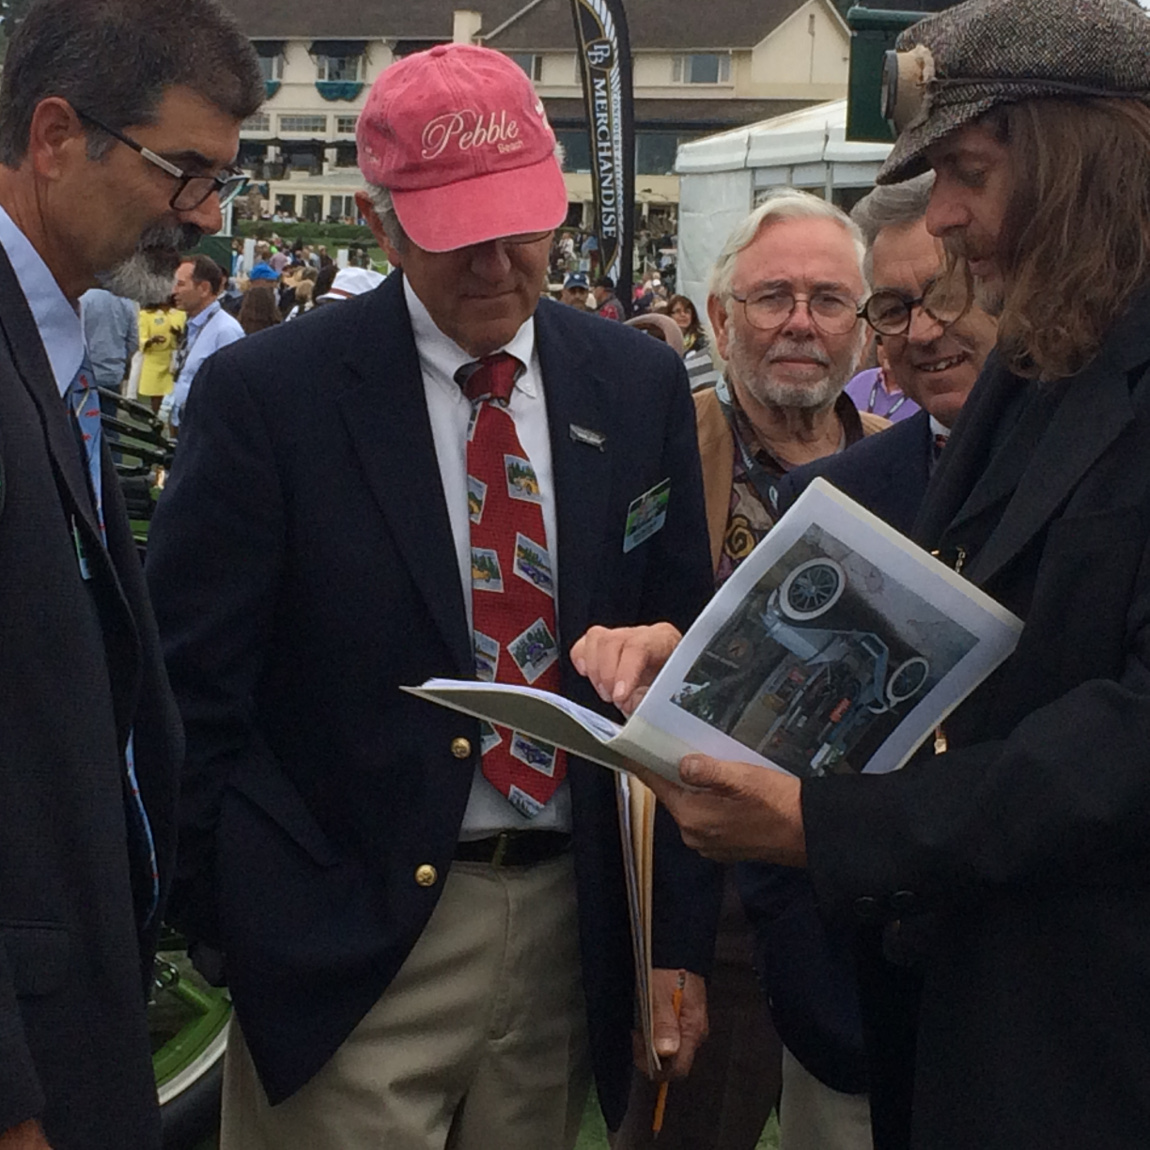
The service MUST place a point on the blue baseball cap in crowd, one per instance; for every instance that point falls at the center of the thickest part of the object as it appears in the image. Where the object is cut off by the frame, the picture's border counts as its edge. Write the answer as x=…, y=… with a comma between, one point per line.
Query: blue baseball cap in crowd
x=264, y=271
x=577, y=280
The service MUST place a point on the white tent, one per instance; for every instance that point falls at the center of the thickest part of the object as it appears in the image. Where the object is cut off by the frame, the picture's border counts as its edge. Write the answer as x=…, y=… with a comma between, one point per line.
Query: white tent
x=722, y=177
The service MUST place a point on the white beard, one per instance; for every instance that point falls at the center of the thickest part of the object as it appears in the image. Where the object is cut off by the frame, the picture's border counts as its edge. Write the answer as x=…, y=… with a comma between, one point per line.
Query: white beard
x=136, y=279
x=756, y=373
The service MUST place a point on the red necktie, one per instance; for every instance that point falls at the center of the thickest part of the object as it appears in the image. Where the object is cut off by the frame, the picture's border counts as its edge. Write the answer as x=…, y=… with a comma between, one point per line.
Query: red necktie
x=512, y=583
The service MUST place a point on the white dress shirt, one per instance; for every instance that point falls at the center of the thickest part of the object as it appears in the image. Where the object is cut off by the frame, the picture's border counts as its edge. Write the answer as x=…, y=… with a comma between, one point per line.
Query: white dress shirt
x=57, y=320
x=449, y=410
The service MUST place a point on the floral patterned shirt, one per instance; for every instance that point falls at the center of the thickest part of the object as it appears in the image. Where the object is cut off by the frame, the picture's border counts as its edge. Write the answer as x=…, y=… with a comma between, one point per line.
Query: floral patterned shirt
x=754, y=497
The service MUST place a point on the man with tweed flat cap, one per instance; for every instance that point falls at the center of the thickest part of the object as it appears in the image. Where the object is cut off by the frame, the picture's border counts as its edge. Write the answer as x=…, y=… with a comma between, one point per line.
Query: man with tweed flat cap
x=1011, y=869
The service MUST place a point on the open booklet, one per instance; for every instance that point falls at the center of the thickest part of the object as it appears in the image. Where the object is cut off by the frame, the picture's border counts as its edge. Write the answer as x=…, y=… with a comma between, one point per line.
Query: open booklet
x=837, y=645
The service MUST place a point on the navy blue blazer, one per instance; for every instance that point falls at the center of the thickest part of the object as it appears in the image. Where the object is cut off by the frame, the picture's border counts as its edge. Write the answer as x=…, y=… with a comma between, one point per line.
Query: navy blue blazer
x=303, y=569
x=807, y=965
x=887, y=473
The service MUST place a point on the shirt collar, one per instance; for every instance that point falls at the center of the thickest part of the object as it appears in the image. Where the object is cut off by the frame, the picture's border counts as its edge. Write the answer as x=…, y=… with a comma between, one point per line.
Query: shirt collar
x=201, y=319
x=937, y=429
x=440, y=357
x=747, y=443
x=56, y=319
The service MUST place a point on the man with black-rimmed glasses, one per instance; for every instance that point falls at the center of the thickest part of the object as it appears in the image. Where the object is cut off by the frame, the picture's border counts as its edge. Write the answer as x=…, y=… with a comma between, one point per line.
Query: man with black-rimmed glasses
x=932, y=345
x=119, y=122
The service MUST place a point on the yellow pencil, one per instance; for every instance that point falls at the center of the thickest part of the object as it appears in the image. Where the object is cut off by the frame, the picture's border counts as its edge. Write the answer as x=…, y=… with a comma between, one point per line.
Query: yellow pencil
x=661, y=1100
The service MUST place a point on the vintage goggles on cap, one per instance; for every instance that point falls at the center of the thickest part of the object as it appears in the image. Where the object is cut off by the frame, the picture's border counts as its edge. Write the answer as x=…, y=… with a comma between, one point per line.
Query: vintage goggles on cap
x=905, y=76
x=908, y=79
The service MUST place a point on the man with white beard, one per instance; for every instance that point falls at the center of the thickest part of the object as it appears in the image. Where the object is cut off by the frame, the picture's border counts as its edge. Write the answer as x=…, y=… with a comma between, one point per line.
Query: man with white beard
x=783, y=303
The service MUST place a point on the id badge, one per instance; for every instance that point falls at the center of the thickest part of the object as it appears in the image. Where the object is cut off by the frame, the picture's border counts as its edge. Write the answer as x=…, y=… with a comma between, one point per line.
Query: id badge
x=646, y=515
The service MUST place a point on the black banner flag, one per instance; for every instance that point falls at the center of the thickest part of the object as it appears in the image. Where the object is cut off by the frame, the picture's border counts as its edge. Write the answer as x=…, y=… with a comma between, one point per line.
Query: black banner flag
x=605, y=61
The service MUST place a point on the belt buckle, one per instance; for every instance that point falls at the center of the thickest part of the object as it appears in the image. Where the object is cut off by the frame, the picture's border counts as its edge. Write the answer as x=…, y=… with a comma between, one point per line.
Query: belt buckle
x=501, y=843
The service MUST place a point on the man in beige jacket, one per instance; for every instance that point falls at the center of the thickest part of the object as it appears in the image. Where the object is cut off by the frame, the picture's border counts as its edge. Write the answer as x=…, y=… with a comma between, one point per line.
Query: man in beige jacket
x=783, y=303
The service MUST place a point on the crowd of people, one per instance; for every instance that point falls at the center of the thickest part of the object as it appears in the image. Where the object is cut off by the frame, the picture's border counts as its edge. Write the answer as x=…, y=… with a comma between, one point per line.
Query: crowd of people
x=423, y=920
x=150, y=347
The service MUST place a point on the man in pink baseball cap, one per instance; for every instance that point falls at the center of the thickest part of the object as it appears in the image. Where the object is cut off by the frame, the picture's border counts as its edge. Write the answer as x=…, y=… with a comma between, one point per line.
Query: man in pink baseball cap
x=461, y=162
x=423, y=919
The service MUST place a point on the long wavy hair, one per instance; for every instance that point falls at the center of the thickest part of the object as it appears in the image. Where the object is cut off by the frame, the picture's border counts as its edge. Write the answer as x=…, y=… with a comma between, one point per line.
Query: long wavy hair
x=1077, y=228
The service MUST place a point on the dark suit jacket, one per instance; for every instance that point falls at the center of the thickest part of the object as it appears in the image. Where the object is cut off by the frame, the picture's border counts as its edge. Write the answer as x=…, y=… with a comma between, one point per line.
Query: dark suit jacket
x=806, y=965
x=886, y=473
x=1023, y=853
x=81, y=668
x=303, y=568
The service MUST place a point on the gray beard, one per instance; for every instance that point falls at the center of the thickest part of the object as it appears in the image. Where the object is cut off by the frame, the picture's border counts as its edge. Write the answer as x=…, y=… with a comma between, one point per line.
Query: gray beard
x=755, y=373
x=146, y=275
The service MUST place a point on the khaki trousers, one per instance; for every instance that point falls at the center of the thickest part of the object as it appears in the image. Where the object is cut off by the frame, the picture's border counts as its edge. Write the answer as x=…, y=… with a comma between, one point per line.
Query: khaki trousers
x=479, y=1043
x=812, y=1116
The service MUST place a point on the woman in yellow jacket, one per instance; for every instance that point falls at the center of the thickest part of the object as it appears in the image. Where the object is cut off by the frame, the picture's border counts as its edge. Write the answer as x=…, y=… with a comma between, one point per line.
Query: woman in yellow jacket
x=162, y=328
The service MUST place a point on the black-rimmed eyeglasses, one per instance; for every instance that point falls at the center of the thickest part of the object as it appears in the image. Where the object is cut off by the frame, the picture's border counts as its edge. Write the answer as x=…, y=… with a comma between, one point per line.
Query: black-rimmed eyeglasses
x=890, y=312
x=191, y=191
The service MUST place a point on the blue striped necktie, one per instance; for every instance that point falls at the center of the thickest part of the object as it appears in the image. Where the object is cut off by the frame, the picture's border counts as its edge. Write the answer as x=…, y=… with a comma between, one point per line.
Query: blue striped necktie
x=84, y=401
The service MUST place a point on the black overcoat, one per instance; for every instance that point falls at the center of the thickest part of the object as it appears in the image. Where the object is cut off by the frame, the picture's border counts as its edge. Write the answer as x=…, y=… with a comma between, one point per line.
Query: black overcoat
x=1019, y=862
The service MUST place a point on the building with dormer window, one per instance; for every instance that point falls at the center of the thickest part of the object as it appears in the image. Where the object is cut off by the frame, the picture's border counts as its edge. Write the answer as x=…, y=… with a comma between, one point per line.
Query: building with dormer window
x=696, y=71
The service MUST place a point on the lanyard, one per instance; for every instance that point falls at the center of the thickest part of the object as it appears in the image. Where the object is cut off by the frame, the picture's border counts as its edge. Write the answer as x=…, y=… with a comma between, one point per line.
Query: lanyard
x=189, y=344
x=757, y=475
x=874, y=395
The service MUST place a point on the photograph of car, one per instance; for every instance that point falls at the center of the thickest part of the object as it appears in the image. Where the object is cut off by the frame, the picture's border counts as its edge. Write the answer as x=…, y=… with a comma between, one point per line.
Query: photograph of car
x=812, y=672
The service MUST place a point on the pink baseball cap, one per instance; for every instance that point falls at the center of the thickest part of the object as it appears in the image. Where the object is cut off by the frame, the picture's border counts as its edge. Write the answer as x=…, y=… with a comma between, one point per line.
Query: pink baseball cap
x=461, y=140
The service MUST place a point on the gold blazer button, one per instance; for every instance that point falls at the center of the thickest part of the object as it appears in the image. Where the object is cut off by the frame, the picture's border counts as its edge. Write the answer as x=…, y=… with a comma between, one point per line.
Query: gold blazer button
x=461, y=748
x=426, y=875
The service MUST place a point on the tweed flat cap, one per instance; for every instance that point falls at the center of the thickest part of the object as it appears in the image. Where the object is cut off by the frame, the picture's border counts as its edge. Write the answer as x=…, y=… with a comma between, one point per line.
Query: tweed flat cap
x=960, y=63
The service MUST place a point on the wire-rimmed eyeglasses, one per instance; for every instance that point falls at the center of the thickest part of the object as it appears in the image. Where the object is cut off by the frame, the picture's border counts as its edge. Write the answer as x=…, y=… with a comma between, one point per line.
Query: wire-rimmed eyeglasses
x=831, y=313
x=192, y=190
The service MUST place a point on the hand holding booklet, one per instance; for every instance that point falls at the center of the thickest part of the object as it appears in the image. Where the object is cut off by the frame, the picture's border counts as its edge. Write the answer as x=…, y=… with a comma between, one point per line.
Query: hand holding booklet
x=836, y=646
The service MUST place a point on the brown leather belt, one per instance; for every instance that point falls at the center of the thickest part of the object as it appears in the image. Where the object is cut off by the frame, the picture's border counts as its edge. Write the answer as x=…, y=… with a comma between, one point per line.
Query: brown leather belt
x=514, y=848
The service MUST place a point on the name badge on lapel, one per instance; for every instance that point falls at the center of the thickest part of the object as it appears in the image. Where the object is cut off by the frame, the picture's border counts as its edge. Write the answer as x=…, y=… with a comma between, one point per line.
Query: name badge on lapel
x=646, y=515
x=585, y=435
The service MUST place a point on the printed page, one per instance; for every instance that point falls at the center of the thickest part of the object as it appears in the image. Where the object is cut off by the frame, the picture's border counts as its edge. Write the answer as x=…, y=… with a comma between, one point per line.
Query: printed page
x=837, y=646
x=553, y=719
x=540, y=714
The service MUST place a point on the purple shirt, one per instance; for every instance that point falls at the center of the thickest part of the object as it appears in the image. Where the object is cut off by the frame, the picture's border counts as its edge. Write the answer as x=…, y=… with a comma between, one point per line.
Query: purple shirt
x=868, y=394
